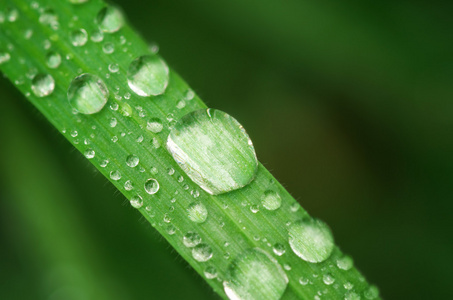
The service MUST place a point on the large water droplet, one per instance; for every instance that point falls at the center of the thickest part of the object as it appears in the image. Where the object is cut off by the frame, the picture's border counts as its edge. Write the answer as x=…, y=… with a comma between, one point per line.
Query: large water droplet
x=87, y=94
x=79, y=37
x=191, y=239
x=42, y=85
x=89, y=153
x=202, y=252
x=197, y=212
x=115, y=175
x=214, y=150
x=132, y=160
x=148, y=75
x=311, y=240
x=110, y=19
x=271, y=200
x=53, y=60
x=254, y=274
x=151, y=186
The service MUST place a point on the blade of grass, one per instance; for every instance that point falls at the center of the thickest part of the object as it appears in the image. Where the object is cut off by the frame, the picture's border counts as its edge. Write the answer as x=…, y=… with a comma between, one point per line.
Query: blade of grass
x=233, y=224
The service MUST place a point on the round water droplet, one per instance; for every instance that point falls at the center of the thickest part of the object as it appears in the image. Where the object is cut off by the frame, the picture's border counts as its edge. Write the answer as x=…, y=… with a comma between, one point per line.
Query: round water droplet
x=328, y=279
x=4, y=57
x=115, y=175
x=114, y=68
x=79, y=37
x=78, y=1
x=189, y=94
x=210, y=272
x=279, y=249
x=113, y=122
x=311, y=240
x=136, y=201
x=97, y=36
x=87, y=94
x=89, y=153
x=128, y=185
x=132, y=160
x=154, y=125
x=254, y=274
x=345, y=263
x=202, y=252
x=148, y=75
x=42, y=85
x=110, y=19
x=53, y=60
x=197, y=212
x=352, y=296
x=191, y=239
x=151, y=186
x=108, y=48
x=271, y=200
x=49, y=17
x=214, y=150
x=371, y=293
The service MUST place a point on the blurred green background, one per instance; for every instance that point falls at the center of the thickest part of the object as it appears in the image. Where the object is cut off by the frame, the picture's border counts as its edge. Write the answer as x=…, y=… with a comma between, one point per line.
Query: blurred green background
x=349, y=103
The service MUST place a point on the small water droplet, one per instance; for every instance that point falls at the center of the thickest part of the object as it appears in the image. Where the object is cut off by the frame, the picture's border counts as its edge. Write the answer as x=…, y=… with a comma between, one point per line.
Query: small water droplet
x=48, y=17
x=210, y=272
x=4, y=57
x=148, y=75
x=371, y=293
x=279, y=249
x=254, y=274
x=104, y=163
x=348, y=286
x=202, y=252
x=154, y=125
x=53, y=60
x=108, y=48
x=97, y=36
x=12, y=14
x=78, y=1
x=345, y=263
x=214, y=150
x=113, y=122
x=328, y=279
x=128, y=186
x=303, y=281
x=132, y=160
x=151, y=186
x=79, y=37
x=271, y=200
x=197, y=212
x=311, y=240
x=42, y=85
x=114, y=68
x=352, y=296
x=110, y=19
x=89, y=153
x=181, y=104
x=87, y=94
x=115, y=175
x=191, y=239
x=189, y=94
x=136, y=201
x=254, y=208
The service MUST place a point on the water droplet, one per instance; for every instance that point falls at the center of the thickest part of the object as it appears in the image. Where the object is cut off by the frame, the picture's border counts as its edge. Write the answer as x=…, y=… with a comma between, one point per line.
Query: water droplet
x=132, y=160
x=104, y=163
x=87, y=94
x=328, y=279
x=197, y=212
x=271, y=200
x=4, y=57
x=110, y=19
x=79, y=37
x=53, y=60
x=154, y=125
x=151, y=186
x=371, y=293
x=89, y=153
x=128, y=185
x=214, y=150
x=352, y=296
x=210, y=272
x=78, y=1
x=254, y=208
x=108, y=48
x=348, y=286
x=114, y=68
x=202, y=252
x=42, y=85
x=311, y=240
x=345, y=263
x=48, y=17
x=191, y=239
x=113, y=122
x=12, y=14
x=115, y=175
x=189, y=94
x=136, y=201
x=303, y=281
x=148, y=75
x=279, y=249
x=97, y=36
x=181, y=104
x=254, y=274
x=171, y=229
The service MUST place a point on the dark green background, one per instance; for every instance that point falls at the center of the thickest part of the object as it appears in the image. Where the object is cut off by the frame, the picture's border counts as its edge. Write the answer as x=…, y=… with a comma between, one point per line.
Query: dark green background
x=349, y=104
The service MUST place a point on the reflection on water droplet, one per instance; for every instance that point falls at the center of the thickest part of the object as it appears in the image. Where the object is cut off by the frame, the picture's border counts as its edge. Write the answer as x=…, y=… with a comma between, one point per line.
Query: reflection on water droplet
x=214, y=150
x=97, y=36
x=328, y=279
x=352, y=296
x=115, y=175
x=311, y=240
x=271, y=200
x=79, y=37
x=42, y=85
x=210, y=272
x=154, y=125
x=136, y=201
x=108, y=48
x=89, y=153
x=254, y=274
x=345, y=263
x=148, y=75
x=87, y=94
x=279, y=249
x=197, y=212
x=151, y=186
x=191, y=239
x=53, y=60
x=114, y=68
x=110, y=19
x=202, y=252
x=132, y=160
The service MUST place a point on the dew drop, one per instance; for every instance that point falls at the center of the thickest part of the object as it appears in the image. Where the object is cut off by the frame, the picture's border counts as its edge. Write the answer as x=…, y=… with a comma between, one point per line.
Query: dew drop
x=202, y=252
x=53, y=60
x=4, y=57
x=132, y=160
x=115, y=175
x=279, y=249
x=79, y=37
x=191, y=239
x=254, y=208
x=148, y=75
x=136, y=201
x=110, y=19
x=328, y=279
x=128, y=186
x=352, y=296
x=78, y=1
x=197, y=212
x=311, y=240
x=254, y=274
x=189, y=94
x=151, y=186
x=87, y=94
x=48, y=17
x=214, y=150
x=154, y=125
x=345, y=263
x=108, y=48
x=89, y=153
x=42, y=85
x=210, y=272
x=114, y=68
x=97, y=36
x=271, y=200
x=371, y=293
x=104, y=163
x=113, y=122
